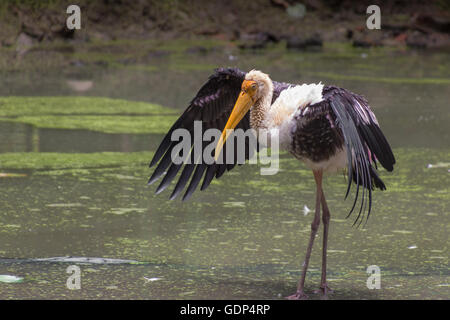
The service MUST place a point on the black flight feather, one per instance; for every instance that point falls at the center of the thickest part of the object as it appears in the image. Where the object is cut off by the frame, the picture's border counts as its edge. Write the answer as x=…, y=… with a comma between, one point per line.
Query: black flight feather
x=212, y=105
x=364, y=142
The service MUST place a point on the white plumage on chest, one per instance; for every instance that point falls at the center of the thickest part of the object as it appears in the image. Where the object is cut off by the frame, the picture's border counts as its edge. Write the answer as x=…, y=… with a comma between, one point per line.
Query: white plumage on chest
x=280, y=115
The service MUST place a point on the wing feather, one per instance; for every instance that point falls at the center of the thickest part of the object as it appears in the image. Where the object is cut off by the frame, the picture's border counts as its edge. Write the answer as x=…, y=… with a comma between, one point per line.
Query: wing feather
x=364, y=142
x=212, y=105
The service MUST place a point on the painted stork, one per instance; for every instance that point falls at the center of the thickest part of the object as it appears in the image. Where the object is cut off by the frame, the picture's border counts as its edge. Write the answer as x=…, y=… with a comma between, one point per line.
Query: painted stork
x=329, y=128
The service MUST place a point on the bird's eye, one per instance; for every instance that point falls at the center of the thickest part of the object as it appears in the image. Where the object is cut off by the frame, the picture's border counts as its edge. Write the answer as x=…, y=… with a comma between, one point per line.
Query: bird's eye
x=254, y=86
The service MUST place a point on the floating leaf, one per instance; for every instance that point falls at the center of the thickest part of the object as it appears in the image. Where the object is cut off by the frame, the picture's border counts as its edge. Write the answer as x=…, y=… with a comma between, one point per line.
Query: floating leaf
x=306, y=210
x=126, y=210
x=402, y=231
x=152, y=279
x=234, y=204
x=64, y=205
x=11, y=175
x=438, y=165
x=10, y=279
x=336, y=251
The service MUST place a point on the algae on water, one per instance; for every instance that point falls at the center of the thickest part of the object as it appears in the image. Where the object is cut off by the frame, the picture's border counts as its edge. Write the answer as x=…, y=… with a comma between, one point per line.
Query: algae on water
x=53, y=160
x=39, y=106
x=107, y=124
x=89, y=113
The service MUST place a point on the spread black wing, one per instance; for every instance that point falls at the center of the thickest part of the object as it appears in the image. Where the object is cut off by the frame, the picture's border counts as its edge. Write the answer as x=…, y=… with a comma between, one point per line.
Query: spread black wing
x=361, y=134
x=212, y=106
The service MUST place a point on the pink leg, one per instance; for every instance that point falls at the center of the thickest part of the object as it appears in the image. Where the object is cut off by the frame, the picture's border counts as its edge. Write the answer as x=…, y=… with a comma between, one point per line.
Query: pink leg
x=324, y=289
x=300, y=294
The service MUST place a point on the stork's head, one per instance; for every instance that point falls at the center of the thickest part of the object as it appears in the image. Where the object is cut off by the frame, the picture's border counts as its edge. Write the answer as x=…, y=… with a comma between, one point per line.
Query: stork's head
x=255, y=87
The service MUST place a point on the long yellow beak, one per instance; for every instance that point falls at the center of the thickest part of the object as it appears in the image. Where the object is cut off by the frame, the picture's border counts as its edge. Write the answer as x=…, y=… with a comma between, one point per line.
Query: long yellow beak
x=241, y=107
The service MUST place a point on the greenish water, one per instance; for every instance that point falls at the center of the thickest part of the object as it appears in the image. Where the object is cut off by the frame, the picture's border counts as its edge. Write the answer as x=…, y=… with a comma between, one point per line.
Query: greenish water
x=83, y=193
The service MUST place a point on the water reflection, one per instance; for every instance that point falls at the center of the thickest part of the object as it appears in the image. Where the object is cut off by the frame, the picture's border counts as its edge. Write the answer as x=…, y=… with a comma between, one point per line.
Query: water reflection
x=17, y=137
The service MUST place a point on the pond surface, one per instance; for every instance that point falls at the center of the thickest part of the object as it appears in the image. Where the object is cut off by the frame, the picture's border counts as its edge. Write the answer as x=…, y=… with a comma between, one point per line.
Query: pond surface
x=245, y=236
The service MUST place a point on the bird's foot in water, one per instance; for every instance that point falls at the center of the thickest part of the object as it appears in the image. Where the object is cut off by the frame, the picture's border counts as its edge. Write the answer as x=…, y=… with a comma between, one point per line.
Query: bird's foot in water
x=324, y=289
x=299, y=295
